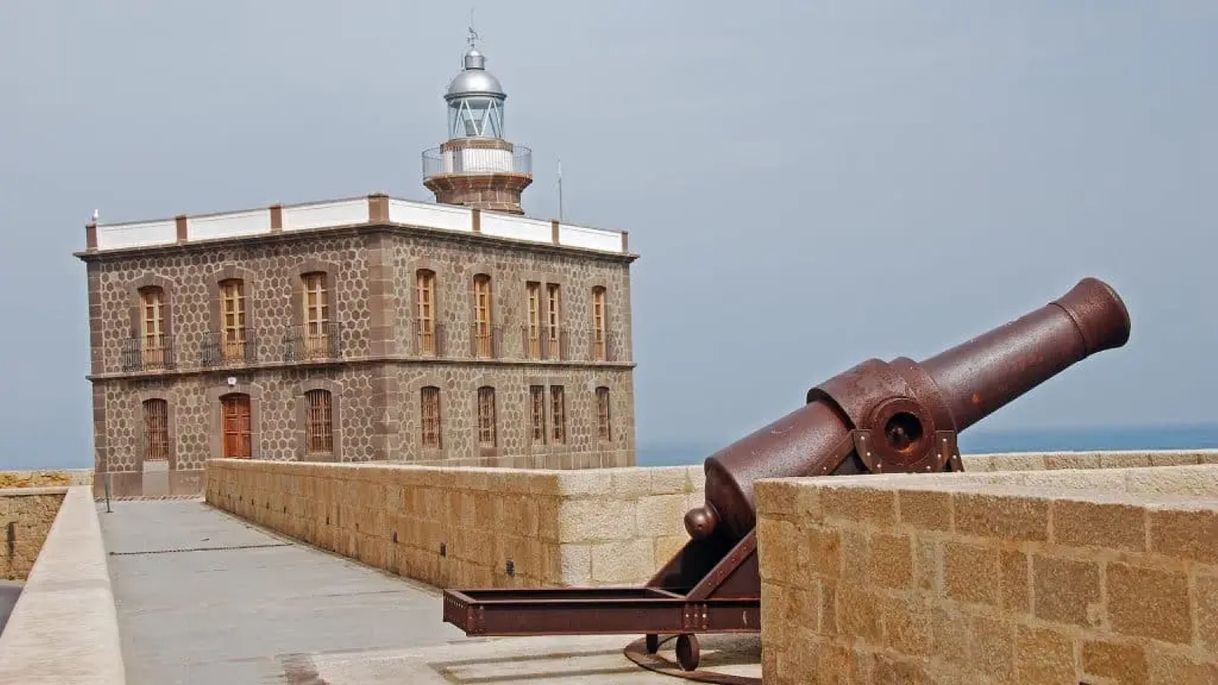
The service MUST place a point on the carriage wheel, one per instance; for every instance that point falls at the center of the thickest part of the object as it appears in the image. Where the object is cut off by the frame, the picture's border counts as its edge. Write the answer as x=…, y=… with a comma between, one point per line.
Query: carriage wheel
x=652, y=643
x=688, y=651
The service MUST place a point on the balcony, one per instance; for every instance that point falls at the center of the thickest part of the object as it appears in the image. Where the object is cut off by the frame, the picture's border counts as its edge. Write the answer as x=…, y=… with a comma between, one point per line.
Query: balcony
x=313, y=342
x=148, y=353
x=439, y=161
x=539, y=343
x=486, y=342
x=225, y=349
x=429, y=340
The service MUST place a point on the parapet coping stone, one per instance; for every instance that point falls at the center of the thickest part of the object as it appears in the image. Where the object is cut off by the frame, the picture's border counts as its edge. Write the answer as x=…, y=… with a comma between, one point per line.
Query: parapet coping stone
x=40, y=490
x=64, y=628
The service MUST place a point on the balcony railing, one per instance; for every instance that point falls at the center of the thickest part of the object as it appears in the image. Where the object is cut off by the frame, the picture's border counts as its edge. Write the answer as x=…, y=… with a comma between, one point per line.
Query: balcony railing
x=226, y=349
x=486, y=342
x=313, y=342
x=148, y=353
x=472, y=160
x=538, y=343
x=429, y=341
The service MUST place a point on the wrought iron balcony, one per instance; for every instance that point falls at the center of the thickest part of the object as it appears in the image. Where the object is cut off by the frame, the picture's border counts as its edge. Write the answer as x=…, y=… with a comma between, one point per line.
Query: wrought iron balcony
x=539, y=343
x=148, y=353
x=486, y=342
x=429, y=340
x=313, y=342
x=230, y=349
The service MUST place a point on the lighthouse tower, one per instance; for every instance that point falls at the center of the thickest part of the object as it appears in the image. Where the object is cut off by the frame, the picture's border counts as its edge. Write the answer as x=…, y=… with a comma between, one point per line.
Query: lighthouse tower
x=476, y=167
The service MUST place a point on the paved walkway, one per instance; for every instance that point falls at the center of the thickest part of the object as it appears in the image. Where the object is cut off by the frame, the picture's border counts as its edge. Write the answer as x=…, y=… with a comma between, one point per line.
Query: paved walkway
x=205, y=598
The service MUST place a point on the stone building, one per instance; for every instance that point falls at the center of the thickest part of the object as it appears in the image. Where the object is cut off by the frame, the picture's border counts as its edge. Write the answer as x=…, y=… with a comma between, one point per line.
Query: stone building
x=371, y=328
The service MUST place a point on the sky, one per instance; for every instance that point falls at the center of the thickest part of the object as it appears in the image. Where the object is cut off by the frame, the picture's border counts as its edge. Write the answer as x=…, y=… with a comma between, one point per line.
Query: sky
x=809, y=184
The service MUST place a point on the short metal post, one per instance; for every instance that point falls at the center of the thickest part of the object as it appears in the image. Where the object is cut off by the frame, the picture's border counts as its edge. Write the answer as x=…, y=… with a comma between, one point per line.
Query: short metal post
x=107, y=486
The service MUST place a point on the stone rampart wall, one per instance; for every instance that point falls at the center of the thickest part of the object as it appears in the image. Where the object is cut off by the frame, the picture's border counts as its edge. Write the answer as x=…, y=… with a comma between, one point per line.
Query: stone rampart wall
x=462, y=526
x=1066, y=576
x=26, y=515
x=41, y=478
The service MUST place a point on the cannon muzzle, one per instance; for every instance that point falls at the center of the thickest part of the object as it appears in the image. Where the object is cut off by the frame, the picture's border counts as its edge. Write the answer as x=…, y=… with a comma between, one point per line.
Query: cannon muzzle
x=902, y=416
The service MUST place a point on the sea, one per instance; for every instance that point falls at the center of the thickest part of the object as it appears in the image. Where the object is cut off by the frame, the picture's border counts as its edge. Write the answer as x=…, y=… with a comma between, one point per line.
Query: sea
x=1122, y=437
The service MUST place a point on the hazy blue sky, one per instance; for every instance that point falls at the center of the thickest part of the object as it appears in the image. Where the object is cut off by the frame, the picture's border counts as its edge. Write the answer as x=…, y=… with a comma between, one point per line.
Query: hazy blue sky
x=809, y=184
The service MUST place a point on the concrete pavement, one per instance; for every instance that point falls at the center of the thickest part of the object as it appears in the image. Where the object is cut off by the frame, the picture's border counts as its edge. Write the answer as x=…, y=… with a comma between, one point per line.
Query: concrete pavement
x=203, y=597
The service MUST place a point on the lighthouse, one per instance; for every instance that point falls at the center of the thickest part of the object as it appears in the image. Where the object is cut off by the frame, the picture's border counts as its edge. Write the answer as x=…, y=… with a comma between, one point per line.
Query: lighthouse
x=477, y=167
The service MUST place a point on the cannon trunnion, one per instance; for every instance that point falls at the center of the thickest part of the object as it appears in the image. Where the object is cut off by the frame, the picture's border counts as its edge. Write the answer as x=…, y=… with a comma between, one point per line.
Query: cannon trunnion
x=878, y=417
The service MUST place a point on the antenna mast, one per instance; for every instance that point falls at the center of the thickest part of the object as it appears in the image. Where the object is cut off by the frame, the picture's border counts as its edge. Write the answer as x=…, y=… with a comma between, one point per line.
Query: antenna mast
x=560, y=188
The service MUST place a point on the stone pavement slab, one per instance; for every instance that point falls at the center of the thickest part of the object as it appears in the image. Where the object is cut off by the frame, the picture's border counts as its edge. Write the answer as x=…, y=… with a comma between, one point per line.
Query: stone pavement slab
x=204, y=597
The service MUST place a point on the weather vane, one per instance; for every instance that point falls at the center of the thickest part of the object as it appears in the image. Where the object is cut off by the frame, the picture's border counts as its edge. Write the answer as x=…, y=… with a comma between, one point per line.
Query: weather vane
x=473, y=35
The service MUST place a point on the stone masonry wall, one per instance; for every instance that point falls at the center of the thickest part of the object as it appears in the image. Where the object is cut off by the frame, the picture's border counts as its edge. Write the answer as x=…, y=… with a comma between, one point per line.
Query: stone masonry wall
x=26, y=515
x=461, y=526
x=1066, y=576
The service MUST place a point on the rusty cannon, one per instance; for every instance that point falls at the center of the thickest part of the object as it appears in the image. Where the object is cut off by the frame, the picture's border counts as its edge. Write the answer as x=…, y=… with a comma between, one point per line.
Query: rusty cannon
x=900, y=416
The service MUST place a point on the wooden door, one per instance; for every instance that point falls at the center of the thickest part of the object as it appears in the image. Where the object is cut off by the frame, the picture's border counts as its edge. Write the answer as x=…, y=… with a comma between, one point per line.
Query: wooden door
x=235, y=426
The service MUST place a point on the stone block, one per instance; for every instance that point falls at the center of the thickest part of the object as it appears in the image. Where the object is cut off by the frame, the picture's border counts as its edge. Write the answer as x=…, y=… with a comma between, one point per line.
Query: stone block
x=585, y=483
x=891, y=561
x=1124, y=662
x=1149, y=603
x=1185, y=533
x=971, y=573
x=591, y=520
x=629, y=483
x=776, y=549
x=1205, y=604
x=859, y=504
x=1044, y=656
x=927, y=572
x=819, y=551
x=1016, y=589
x=667, y=546
x=907, y=626
x=1111, y=525
x=991, y=646
x=669, y=480
x=626, y=561
x=777, y=497
x=1170, y=667
x=575, y=563
x=1009, y=517
x=858, y=614
x=1066, y=590
x=928, y=509
x=658, y=515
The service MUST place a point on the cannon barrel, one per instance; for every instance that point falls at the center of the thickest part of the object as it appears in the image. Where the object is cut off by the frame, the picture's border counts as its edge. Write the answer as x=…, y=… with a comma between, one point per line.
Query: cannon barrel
x=902, y=416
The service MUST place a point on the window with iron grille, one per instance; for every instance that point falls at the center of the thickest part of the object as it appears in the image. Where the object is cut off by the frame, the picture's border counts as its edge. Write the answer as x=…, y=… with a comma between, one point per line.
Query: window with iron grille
x=316, y=313
x=156, y=429
x=429, y=407
x=320, y=423
x=558, y=415
x=152, y=325
x=482, y=315
x=425, y=306
x=604, y=430
x=553, y=319
x=598, y=323
x=486, y=416
x=533, y=289
x=537, y=400
x=232, y=315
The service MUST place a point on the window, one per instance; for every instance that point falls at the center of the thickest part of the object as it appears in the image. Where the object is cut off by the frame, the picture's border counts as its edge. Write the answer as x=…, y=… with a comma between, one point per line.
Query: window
x=235, y=425
x=316, y=315
x=558, y=415
x=154, y=342
x=429, y=406
x=598, y=324
x=533, y=289
x=604, y=431
x=486, y=416
x=156, y=429
x=552, y=321
x=483, y=346
x=537, y=400
x=425, y=311
x=232, y=319
x=320, y=423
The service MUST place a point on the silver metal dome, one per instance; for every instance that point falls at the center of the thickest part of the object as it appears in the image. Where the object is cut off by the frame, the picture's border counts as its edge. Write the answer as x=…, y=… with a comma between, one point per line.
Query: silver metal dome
x=474, y=79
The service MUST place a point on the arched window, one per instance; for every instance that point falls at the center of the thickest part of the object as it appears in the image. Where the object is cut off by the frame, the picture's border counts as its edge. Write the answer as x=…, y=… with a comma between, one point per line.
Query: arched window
x=232, y=319
x=319, y=421
x=154, y=342
x=486, y=416
x=533, y=327
x=599, y=339
x=553, y=321
x=429, y=409
x=425, y=311
x=483, y=317
x=235, y=426
x=156, y=429
x=604, y=428
x=316, y=308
